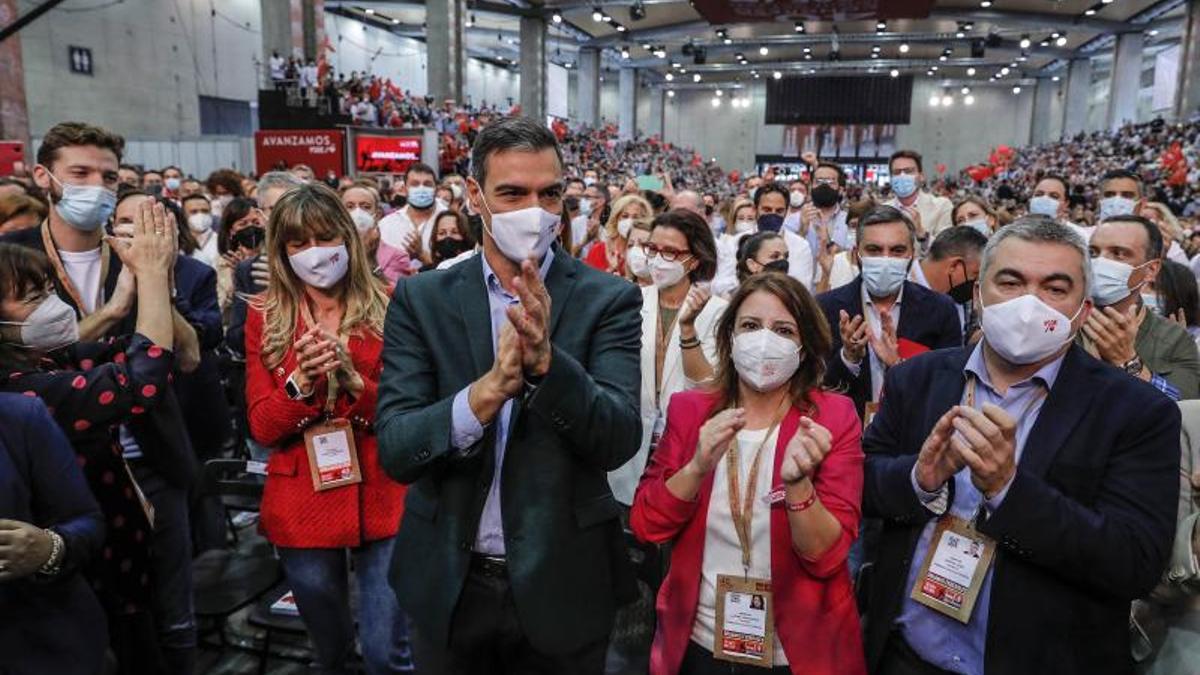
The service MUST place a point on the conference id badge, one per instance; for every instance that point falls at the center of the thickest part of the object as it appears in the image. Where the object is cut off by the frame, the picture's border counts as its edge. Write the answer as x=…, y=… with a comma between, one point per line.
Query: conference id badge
x=869, y=412
x=745, y=630
x=656, y=432
x=332, y=457
x=954, y=569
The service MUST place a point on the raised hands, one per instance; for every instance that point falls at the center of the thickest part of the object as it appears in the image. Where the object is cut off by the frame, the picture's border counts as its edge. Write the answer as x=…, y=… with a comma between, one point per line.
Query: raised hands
x=531, y=319
x=855, y=335
x=805, y=452
x=715, y=437
x=693, y=304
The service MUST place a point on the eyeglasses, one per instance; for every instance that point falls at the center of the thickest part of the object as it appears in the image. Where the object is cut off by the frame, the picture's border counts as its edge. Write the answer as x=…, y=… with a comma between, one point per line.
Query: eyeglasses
x=825, y=181
x=669, y=254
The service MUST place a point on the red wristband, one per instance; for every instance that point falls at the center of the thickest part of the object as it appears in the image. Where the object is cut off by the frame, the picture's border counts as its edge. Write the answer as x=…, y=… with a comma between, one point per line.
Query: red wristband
x=805, y=505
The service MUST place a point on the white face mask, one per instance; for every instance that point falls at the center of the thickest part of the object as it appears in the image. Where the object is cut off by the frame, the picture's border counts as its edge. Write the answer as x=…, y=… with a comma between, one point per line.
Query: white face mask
x=363, y=220
x=624, y=227
x=639, y=265
x=741, y=226
x=796, y=200
x=51, y=325
x=980, y=225
x=1026, y=330
x=884, y=276
x=1112, y=281
x=585, y=207
x=666, y=273
x=200, y=222
x=1043, y=205
x=764, y=359
x=1116, y=206
x=321, y=266
x=523, y=233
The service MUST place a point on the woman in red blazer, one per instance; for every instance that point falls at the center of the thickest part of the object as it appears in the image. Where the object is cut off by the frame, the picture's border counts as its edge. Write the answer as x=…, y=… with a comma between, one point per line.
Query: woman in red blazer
x=313, y=340
x=766, y=409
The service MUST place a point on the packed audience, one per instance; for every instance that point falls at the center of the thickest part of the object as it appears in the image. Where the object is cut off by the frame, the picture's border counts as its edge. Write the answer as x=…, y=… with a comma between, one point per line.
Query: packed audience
x=478, y=389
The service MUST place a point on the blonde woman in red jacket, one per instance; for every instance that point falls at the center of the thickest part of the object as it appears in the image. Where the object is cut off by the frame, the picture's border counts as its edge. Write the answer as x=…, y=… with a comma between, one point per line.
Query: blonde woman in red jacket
x=758, y=484
x=312, y=365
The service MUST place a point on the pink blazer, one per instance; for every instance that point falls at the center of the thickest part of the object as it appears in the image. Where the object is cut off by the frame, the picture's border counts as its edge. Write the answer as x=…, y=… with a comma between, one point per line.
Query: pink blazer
x=815, y=613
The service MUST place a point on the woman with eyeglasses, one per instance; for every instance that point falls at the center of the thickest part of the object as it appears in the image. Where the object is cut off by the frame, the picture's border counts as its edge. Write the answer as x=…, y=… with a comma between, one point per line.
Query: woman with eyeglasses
x=678, y=319
x=757, y=484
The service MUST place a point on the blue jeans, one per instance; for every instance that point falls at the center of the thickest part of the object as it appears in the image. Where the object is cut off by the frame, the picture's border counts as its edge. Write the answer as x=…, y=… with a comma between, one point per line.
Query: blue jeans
x=319, y=579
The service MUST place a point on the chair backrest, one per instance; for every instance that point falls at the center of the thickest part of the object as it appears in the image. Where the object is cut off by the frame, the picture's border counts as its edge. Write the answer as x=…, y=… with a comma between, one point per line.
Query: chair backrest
x=230, y=477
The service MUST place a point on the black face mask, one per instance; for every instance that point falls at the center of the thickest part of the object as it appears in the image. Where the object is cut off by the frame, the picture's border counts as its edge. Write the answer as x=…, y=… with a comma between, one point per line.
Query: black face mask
x=250, y=237
x=825, y=196
x=708, y=209
x=780, y=265
x=449, y=248
x=770, y=222
x=399, y=201
x=961, y=293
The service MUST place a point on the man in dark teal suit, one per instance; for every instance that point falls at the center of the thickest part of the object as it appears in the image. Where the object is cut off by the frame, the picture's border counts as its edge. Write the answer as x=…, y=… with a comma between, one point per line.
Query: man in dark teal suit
x=509, y=390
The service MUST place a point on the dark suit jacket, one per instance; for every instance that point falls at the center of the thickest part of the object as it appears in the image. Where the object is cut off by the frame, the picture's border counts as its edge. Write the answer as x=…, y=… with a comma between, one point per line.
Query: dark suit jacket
x=243, y=286
x=160, y=433
x=56, y=626
x=201, y=394
x=926, y=317
x=1086, y=525
x=566, y=559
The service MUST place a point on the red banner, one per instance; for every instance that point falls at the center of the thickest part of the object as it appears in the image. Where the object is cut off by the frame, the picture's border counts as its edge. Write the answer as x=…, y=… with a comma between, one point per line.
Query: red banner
x=319, y=148
x=385, y=154
x=12, y=153
x=738, y=11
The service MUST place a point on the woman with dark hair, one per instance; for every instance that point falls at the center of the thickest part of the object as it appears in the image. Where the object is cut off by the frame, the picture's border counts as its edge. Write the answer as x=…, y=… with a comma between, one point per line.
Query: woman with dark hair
x=761, y=252
x=242, y=230
x=92, y=390
x=1176, y=297
x=679, y=318
x=451, y=238
x=768, y=425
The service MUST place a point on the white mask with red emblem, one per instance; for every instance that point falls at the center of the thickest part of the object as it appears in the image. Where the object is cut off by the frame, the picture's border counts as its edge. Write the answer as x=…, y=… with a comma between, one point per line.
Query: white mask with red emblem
x=321, y=266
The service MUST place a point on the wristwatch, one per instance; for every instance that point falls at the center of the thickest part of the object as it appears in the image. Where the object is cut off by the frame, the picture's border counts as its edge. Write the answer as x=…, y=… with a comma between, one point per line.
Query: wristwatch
x=293, y=390
x=1133, y=366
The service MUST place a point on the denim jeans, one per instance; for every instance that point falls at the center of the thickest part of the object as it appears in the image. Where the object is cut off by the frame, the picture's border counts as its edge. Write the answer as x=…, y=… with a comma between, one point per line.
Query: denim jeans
x=173, y=608
x=319, y=579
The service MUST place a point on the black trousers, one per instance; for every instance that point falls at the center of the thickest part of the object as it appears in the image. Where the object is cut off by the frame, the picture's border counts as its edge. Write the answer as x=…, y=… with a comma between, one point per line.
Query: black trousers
x=699, y=661
x=486, y=636
x=900, y=659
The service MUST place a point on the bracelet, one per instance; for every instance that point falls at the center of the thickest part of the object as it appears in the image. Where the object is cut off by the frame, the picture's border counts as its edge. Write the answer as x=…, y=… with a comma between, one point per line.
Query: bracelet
x=805, y=505
x=689, y=344
x=53, y=564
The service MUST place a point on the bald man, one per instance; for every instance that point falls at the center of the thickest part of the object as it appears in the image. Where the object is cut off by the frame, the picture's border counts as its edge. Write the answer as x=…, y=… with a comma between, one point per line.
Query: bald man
x=689, y=200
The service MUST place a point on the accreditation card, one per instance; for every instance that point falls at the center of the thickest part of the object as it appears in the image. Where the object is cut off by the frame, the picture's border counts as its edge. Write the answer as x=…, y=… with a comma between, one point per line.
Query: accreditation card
x=332, y=456
x=745, y=631
x=954, y=569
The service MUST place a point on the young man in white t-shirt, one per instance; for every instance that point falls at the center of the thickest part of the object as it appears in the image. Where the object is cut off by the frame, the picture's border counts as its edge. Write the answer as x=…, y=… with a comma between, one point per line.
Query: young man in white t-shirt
x=411, y=227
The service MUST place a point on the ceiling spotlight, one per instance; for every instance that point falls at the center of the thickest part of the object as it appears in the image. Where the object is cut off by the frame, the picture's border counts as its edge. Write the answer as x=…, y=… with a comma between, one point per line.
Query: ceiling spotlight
x=728, y=41
x=471, y=20
x=777, y=75
x=929, y=73
x=370, y=12
x=960, y=35
x=660, y=53
x=1106, y=2
x=755, y=75
x=676, y=64
x=683, y=71
x=935, y=101
x=669, y=77
x=1056, y=78
x=947, y=100
x=969, y=100
x=556, y=18
x=966, y=90
x=719, y=92
x=1013, y=65
x=1062, y=39
x=894, y=73
x=808, y=57
x=620, y=28
x=903, y=47
x=808, y=50
x=597, y=15
x=716, y=102
x=740, y=56
x=881, y=25
x=1025, y=41
x=1004, y=71
x=1044, y=43
x=637, y=12
x=606, y=18
x=1022, y=59
x=968, y=26
x=1017, y=89
x=396, y=22
x=876, y=48
x=763, y=50
x=624, y=52
x=875, y=55
x=695, y=77
x=1054, y=35
x=1090, y=11
x=933, y=68
x=943, y=58
x=670, y=93
x=985, y=3
x=970, y=72
x=567, y=65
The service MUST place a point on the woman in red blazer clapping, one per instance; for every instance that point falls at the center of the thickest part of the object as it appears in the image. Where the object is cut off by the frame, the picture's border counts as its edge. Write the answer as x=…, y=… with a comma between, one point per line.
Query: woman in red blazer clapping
x=313, y=340
x=757, y=549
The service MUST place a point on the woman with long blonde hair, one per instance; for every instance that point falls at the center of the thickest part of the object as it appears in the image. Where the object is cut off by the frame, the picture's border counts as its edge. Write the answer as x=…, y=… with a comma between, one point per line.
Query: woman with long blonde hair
x=313, y=342
x=609, y=255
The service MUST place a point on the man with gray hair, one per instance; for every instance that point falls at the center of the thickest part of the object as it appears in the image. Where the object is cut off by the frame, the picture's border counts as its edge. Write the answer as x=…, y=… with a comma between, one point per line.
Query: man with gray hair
x=250, y=276
x=689, y=200
x=1059, y=470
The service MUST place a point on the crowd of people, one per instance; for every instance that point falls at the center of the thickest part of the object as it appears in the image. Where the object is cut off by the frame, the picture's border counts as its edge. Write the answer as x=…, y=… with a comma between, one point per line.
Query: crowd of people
x=901, y=429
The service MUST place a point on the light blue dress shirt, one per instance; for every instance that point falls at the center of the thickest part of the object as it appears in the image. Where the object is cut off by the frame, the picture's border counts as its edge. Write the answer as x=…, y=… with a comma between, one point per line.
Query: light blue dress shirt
x=937, y=638
x=466, y=429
